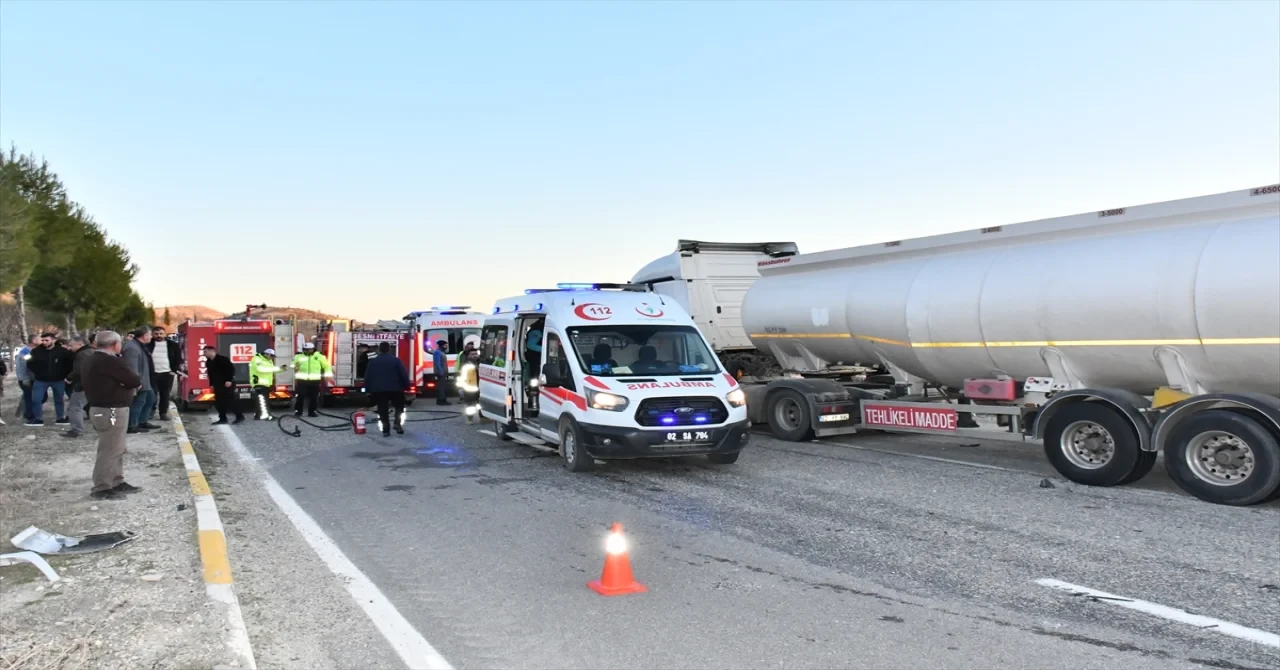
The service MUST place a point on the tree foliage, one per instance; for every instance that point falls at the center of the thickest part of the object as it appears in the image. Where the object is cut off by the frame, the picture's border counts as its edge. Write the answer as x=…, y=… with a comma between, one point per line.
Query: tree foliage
x=54, y=255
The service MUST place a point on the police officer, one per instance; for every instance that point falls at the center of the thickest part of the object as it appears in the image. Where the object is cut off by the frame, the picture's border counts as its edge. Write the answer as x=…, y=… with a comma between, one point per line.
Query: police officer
x=311, y=371
x=262, y=376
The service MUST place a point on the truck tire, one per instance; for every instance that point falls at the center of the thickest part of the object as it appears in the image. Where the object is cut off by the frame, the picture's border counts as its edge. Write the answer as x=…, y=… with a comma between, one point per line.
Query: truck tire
x=576, y=458
x=724, y=459
x=1093, y=444
x=789, y=417
x=1223, y=457
x=502, y=430
x=1146, y=461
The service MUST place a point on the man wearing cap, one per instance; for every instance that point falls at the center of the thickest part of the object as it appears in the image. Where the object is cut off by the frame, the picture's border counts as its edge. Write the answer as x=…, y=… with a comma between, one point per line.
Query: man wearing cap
x=310, y=371
x=262, y=375
x=222, y=377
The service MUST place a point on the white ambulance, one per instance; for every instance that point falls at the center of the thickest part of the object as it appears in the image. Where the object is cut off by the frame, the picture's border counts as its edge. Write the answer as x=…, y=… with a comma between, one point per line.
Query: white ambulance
x=607, y=371
x=456, y=325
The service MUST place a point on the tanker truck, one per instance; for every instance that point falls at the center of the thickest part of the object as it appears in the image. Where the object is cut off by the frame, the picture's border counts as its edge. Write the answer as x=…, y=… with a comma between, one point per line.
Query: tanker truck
x=1107, y=337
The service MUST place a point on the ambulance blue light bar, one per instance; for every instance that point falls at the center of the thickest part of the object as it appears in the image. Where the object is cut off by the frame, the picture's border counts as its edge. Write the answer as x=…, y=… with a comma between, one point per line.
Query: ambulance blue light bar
x=439, y=308
x=599, y=287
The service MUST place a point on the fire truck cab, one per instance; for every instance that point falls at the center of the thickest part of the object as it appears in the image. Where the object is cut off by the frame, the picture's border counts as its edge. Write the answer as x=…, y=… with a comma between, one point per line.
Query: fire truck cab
x=237, y=339
x=453, y=324
x=607, y=371
x=349, y=352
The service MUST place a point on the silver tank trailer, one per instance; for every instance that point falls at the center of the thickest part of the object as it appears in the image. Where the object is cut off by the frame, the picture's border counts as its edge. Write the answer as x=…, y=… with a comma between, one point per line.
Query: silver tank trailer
x=1185, y=291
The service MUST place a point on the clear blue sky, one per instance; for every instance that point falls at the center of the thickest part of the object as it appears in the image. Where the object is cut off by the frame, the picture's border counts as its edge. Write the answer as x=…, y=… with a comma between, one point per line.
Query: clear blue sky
x=373, y=158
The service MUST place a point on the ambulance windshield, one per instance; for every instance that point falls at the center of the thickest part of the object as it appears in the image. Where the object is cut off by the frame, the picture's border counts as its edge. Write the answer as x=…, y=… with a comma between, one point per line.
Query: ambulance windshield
x=642, y=350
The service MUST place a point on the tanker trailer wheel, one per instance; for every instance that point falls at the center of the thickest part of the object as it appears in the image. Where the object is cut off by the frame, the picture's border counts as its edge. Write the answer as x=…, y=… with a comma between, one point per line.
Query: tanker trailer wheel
x=1224, y=457
x=1090, y=443
x=788, y=415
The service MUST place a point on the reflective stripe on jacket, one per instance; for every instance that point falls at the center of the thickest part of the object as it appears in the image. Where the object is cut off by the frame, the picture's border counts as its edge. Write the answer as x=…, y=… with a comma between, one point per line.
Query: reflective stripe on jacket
x=311, y=368
x=262, y=371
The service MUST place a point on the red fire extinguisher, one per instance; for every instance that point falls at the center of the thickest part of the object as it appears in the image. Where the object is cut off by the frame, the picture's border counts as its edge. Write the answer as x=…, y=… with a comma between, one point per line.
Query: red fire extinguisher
x=358, y=421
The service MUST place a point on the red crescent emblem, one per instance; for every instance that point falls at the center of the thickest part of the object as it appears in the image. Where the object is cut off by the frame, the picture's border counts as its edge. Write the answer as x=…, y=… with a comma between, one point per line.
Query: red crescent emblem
x=592, y=311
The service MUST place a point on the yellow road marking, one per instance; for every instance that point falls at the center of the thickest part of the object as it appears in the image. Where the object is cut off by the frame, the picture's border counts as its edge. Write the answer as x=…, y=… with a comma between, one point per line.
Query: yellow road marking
x=199, y=485
x=213, y=553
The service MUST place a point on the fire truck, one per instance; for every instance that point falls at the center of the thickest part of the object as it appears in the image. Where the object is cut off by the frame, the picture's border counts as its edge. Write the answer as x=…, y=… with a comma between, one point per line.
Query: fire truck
x=453, y=324
x=349, y=352
x=240, y=340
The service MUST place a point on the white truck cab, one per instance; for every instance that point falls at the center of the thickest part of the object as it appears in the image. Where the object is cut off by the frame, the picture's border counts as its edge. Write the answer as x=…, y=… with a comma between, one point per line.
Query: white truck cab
x=607, y=371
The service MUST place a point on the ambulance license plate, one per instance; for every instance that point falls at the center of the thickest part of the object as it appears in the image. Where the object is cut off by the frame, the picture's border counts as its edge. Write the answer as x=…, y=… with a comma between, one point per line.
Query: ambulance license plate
x=833, y=417
x=689, y=436
x=245, y=395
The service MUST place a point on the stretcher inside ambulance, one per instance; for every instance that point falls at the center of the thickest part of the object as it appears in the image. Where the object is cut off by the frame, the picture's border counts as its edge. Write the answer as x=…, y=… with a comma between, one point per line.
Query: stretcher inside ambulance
x=607, y=371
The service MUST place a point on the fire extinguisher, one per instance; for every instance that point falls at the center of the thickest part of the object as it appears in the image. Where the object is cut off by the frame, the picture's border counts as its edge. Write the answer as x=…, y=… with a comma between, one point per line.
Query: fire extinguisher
x=358, y=421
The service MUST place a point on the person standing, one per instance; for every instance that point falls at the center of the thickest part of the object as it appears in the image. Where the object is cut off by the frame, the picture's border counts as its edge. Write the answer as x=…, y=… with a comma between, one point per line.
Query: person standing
x=75, y=413
x=109, y=386
x=138, y=359
x=166, y=358
x=4, y=370
x=222, y=377
x=310, y=371
x=386, y=379
x=262, y=375
x=440, y=366
x=49, y=366
x=22, y=370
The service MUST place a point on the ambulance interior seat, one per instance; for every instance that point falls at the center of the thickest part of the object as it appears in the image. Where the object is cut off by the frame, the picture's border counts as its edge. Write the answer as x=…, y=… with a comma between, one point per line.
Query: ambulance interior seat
x=603, y=355
x=647, y=360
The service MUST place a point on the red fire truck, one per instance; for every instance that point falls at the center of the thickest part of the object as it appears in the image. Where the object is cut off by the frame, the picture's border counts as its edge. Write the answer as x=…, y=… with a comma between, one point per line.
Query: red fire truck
x=453, y=324
x=237, y=339
x=349, y=353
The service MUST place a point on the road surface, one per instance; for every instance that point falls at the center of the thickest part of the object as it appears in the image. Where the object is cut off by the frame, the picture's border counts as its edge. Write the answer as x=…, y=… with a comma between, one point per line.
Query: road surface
x=870, y=552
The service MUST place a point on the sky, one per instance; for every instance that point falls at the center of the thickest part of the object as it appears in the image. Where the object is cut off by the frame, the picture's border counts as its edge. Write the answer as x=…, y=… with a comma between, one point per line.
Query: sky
x=368, y=159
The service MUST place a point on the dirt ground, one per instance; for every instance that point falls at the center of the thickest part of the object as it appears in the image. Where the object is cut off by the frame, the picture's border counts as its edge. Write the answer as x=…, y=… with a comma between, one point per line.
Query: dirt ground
x=138, y=605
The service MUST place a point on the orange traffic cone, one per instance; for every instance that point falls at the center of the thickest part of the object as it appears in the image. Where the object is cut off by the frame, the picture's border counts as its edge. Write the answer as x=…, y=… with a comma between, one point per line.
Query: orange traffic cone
x=616, y=579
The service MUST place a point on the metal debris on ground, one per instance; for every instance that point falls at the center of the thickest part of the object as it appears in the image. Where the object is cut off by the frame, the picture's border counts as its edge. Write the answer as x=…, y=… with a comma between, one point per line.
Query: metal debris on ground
x=44, y=542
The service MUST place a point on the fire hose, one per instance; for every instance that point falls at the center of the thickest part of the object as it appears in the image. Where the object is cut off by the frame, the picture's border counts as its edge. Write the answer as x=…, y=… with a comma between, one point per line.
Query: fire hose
x=349, y=420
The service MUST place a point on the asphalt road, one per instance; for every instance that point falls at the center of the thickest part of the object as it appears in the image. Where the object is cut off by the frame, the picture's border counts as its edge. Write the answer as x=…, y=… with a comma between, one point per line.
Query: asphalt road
x=884, y=552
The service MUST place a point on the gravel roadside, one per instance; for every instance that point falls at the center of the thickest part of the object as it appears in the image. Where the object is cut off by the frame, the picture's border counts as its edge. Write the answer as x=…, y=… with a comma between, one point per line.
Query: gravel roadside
x=140, y=604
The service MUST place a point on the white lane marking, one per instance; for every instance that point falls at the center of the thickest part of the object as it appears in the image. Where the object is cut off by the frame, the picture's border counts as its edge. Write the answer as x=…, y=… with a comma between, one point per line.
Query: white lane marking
x=412, y=647
x=1170, y=613
x=923, y=457
x=487, y=432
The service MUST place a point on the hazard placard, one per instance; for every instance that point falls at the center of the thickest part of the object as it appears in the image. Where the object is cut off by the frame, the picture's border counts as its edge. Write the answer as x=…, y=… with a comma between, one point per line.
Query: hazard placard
x=243, y=353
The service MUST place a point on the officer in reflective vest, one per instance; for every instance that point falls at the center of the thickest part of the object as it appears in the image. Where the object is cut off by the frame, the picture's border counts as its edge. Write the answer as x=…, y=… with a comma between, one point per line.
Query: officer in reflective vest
x=262, y=375
x=310, y=370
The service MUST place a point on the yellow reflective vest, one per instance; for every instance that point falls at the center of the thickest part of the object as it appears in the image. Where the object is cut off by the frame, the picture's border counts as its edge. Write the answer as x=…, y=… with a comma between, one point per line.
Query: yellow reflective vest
x=311, y=368
x=262, y=371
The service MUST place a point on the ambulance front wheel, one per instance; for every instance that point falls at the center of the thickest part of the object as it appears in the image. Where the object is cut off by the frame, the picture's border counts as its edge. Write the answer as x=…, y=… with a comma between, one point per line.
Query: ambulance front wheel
x=576, y=458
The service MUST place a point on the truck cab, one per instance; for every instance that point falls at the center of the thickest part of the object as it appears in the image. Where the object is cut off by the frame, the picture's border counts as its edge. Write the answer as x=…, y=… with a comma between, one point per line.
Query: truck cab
x=607, y=371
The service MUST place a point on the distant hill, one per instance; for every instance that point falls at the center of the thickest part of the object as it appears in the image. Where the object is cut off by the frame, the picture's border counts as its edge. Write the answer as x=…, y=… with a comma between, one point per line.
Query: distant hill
x=180, y=313
x=285, y=312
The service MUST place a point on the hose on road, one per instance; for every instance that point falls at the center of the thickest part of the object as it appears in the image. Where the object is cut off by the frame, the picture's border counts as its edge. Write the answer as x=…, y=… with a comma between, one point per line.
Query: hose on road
x=347, y=421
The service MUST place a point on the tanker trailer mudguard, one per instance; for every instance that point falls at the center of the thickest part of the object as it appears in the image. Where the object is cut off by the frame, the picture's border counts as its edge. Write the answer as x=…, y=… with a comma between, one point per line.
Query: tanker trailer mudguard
x=1133, y=406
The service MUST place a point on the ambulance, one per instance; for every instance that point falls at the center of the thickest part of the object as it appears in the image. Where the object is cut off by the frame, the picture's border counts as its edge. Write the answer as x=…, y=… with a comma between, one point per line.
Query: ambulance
x=456, y=325
x=607, y=371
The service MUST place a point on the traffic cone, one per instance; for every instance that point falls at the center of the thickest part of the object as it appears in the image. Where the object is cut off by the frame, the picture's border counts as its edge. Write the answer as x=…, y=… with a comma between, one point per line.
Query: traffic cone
x=616, y=580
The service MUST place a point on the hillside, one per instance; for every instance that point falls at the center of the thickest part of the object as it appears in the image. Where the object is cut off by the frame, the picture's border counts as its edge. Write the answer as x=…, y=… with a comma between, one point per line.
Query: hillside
x=180, y=313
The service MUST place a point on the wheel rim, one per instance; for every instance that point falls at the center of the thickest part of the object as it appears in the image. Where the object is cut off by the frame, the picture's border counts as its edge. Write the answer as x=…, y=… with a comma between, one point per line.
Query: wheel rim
x=1219, y=458
x=569, y=447
x=787, y=413
x=1087, y=445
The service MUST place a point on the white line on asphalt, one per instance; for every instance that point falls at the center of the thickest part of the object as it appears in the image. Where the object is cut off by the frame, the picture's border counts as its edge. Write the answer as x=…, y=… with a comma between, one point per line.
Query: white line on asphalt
x=412, y=647
x=923, y=457
x=1170, y=613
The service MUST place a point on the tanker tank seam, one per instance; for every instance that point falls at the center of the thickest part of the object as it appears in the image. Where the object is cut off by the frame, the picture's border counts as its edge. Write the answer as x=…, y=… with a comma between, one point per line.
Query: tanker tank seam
x=1195, y=283
x=982, y=292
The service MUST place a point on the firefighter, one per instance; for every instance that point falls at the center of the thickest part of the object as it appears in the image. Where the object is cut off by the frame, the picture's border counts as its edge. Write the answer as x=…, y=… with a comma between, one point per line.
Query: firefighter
x=469, y=382
x=262, y=375
x=311, y=371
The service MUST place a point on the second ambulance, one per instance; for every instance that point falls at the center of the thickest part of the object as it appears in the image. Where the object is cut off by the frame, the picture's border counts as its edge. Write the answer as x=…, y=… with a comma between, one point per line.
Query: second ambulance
x=607, y=371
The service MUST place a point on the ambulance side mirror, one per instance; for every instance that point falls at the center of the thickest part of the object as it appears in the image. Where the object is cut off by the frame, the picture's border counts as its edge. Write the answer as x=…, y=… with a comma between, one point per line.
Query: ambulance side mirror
x=551, y=376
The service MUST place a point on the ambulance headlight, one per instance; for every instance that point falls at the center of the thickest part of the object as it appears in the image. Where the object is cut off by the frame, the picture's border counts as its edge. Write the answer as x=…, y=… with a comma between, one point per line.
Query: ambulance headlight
x=736, y=398
x=606, y=401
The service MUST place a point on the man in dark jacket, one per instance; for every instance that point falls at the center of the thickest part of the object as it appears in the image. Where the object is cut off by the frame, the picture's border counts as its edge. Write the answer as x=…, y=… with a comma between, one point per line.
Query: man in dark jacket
x=75, y=413
x=222, y=377
x=386, y=379
x=109, y=386
x=135, y=354
x=49, y=365
x=166, y=360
